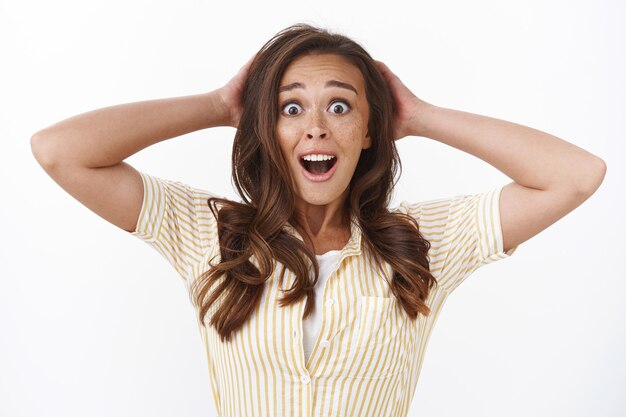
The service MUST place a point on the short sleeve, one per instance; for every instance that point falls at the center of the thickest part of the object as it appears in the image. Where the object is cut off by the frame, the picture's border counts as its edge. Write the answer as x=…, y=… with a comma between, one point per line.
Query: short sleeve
x=176, y=220
x=465, y=233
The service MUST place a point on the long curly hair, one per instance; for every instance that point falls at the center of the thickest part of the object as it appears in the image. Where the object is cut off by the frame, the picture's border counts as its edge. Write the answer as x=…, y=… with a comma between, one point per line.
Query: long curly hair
x=253, y=235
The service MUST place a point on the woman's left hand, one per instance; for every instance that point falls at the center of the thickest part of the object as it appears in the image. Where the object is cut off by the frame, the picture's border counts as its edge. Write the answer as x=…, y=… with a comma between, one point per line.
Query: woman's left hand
x=407, y=106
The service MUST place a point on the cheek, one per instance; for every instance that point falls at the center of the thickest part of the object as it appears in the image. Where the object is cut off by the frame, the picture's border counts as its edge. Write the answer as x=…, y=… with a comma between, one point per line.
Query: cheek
x=357, y=123
x=286, y=141
x=352, y=133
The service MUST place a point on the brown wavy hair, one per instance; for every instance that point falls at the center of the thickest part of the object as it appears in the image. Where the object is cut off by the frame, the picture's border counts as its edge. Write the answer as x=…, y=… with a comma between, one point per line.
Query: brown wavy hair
x=255, y=230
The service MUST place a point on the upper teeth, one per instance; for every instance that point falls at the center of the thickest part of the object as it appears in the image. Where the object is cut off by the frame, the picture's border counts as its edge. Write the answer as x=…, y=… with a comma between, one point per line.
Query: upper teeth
x=317, y=157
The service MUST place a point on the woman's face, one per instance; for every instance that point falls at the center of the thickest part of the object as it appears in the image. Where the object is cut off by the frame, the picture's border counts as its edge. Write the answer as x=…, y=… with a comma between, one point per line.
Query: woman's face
x=322, y=126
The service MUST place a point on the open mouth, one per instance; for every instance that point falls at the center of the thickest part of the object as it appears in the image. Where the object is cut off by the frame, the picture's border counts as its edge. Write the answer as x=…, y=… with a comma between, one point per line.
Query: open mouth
x=318, y=164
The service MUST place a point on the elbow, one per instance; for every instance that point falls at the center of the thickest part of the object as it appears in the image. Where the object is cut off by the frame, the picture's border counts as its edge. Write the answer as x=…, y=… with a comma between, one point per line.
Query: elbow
x=35, y=142
x=41, y=148
x=592, y=176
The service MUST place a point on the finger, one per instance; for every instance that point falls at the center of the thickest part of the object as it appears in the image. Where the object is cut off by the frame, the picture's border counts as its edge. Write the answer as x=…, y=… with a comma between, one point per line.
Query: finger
x=390, y=77
x=246, y=66
x=382, y=67
x=244, y=69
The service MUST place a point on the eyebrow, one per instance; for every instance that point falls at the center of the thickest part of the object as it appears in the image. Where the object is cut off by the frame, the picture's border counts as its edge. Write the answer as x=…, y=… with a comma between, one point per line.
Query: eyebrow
x=331, y=83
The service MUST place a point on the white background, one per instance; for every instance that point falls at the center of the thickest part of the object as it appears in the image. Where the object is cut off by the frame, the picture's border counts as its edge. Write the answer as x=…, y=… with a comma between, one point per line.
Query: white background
x=93, y=322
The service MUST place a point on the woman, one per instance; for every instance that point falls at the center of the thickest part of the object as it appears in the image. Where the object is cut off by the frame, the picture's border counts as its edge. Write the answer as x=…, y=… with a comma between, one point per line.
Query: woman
x=313, y=297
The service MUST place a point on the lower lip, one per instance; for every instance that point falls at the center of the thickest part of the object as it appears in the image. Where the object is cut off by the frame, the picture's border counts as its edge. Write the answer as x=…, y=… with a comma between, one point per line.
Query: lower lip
x=319, y=177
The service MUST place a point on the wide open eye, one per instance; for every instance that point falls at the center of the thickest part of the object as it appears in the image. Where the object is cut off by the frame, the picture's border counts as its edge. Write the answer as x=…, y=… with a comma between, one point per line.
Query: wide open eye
x=339, y=107
x=291, y=109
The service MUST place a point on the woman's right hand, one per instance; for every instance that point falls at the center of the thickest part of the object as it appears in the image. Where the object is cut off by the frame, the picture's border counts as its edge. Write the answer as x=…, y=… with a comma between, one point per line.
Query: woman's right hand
x=231, y=94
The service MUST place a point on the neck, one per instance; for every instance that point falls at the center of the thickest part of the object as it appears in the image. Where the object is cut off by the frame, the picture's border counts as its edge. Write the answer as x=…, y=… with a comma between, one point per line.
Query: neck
x=327, y=226
x=320, y=220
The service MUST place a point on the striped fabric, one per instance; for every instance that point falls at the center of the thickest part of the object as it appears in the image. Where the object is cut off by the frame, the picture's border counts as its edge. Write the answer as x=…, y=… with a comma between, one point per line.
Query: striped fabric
x=368, y=355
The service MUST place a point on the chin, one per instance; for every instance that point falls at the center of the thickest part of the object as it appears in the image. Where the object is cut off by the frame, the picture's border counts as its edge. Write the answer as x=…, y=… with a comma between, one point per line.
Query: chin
x=318, y=201
x=319, y=198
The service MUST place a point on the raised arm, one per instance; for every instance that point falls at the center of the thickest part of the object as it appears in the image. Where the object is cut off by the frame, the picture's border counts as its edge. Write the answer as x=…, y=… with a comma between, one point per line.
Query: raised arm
x=551, y=176
x=84, y=154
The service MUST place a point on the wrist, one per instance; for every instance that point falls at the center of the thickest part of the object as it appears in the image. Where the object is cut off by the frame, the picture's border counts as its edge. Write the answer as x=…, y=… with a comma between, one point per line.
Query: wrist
x=422, y=112
x=220, y=108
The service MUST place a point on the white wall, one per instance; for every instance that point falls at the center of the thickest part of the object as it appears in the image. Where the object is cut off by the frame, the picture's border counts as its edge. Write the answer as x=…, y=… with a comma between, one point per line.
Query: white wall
x=94, y=322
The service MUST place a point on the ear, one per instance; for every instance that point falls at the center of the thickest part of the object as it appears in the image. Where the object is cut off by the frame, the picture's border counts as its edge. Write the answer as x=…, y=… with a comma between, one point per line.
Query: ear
x=366, y=142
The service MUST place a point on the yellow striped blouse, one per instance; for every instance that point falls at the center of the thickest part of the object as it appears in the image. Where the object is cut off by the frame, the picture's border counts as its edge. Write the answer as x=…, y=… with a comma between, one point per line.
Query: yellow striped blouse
x=368, y=355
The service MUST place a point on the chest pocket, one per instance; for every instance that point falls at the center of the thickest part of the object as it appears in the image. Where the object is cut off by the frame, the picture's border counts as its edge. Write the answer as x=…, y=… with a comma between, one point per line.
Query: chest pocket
x=380, y=345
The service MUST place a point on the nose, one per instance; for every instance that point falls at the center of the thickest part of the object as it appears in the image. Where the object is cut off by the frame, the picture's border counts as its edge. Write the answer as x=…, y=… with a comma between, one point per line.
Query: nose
x=317, y=127
x=313, y=134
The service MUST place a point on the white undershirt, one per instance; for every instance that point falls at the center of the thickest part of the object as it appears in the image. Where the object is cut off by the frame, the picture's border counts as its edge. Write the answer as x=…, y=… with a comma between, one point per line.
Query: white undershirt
x=311, y=325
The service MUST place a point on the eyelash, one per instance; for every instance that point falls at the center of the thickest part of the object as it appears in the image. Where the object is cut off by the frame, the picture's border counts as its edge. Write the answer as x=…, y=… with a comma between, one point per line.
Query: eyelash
x=333, y=101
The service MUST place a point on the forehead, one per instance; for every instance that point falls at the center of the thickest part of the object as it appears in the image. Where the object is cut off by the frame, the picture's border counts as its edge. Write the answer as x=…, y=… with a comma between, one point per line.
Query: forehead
x=320, y=68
